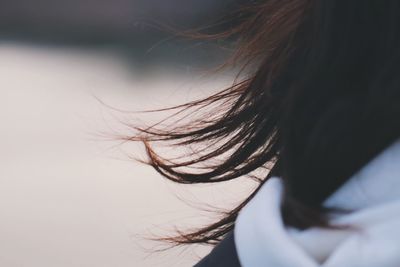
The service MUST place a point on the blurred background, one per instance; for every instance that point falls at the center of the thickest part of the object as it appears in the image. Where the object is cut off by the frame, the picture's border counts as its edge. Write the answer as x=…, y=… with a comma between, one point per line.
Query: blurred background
x=69, y=197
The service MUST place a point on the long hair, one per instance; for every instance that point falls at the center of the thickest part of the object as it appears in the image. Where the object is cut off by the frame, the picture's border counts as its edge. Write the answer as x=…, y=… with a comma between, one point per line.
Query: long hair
x=320, y=98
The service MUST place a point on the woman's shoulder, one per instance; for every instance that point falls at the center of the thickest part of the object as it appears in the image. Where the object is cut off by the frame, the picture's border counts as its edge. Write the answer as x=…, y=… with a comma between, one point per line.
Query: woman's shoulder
x=223, y=255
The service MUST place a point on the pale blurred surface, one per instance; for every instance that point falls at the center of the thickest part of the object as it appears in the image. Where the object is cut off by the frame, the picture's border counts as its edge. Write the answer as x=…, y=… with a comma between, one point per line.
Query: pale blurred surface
x=67, y=197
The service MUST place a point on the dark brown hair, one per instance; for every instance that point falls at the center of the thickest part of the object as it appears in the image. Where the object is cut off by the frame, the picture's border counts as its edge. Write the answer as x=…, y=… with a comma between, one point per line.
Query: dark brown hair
x=319, y=99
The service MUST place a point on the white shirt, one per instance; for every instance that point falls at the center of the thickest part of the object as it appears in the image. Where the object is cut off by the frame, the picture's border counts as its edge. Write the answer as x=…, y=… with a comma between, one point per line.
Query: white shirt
x=261, y=239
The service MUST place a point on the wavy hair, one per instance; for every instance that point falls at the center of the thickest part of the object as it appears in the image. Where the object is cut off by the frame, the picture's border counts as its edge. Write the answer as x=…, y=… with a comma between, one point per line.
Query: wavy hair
x=320, y=98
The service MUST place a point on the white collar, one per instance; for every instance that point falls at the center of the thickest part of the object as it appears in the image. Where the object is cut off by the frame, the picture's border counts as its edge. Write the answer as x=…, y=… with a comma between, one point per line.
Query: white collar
x=261, y=238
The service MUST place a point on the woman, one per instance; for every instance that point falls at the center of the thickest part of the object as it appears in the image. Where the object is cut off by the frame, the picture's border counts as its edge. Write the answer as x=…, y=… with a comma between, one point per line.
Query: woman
x=320, y=109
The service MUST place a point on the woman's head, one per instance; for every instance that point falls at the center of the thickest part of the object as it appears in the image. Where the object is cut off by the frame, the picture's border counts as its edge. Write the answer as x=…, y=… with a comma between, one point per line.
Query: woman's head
x=321, y=97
